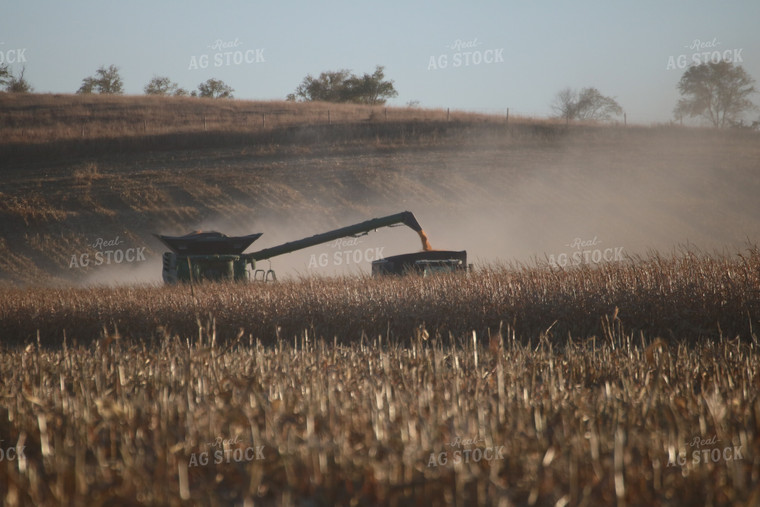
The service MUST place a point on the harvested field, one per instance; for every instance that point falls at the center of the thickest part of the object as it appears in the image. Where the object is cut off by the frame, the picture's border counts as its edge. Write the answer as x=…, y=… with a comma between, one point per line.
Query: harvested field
x=291, y=394
x=189, y=422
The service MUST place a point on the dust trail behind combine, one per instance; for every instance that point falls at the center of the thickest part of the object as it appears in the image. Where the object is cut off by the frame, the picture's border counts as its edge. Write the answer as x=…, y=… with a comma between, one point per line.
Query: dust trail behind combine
x=629, y=191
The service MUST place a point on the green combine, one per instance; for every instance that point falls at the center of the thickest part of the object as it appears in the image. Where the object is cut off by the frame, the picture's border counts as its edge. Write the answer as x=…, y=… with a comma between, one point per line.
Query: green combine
x=213, y=256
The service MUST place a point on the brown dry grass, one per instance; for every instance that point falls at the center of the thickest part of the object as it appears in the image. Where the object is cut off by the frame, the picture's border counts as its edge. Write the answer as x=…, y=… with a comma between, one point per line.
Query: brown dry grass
x=48, y=130
x=574, y=419
x=40, y=118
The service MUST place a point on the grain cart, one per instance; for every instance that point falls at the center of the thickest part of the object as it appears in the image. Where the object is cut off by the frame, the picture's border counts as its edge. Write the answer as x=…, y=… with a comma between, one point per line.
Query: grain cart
x=213, y=256
x=423, y=263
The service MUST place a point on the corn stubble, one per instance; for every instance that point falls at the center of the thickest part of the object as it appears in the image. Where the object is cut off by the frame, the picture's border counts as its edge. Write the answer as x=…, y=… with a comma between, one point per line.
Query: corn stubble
x=574, y=412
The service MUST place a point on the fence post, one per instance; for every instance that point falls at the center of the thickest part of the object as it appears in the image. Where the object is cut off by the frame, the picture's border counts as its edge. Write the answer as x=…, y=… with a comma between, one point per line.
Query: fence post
x=507, y=120
x=329, y=121
x=448, y=113
x=204, y=123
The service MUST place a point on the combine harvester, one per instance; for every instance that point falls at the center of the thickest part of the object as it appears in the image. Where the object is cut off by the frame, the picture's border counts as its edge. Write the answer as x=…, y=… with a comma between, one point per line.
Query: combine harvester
x=213, y=256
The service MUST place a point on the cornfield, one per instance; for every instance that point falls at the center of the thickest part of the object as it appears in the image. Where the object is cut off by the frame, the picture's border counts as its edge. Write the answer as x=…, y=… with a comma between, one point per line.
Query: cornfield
x=686, y=296
x=633, y=383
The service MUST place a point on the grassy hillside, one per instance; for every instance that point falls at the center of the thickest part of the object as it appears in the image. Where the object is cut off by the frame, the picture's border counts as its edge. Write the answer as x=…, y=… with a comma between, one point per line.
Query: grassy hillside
x=33, y=118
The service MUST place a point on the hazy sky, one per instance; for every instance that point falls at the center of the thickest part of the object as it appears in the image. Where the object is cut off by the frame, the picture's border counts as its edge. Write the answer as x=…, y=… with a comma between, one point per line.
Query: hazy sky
x=484, y=56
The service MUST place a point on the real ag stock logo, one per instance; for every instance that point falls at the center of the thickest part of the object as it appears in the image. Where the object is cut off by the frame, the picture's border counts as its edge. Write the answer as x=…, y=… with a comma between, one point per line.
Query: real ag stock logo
x=13, y=55
x=226, y=451
x=11, y=453
x=704, y=51
x=704, y=452
x=226, y=53
x=585, y=251
x=107, y=251
x=346, y=251
x=465, y=450
x=465, y=53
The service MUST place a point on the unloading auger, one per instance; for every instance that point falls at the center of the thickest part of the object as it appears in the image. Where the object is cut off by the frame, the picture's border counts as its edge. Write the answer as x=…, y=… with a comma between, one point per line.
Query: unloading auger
x=213, y=256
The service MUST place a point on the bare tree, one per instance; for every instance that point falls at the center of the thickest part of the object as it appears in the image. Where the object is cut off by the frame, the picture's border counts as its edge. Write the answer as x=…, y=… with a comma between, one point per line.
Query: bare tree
x=565, y=104
x=588, y=104
x=18, y=84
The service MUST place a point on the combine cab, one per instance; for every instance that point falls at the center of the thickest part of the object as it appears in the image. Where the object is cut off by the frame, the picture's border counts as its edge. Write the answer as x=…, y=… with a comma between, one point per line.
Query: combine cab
x=212, y=256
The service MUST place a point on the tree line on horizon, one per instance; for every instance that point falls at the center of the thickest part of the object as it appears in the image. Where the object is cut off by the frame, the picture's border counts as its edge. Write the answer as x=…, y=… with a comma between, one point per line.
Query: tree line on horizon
x=718, y=92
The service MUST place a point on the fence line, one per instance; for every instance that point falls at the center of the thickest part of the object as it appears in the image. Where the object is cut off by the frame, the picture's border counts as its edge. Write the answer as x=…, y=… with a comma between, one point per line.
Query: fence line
x=234, y=119
x=243, y=120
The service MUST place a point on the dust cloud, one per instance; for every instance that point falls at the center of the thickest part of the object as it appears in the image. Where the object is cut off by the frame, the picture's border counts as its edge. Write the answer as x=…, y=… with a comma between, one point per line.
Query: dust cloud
x=620, y=193
x=143, y=273
x=603, y=193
